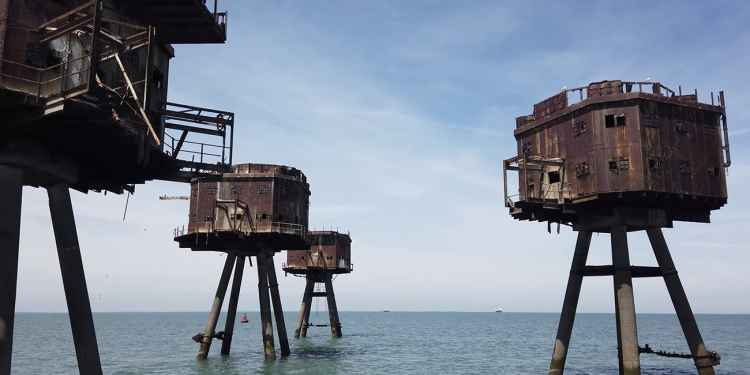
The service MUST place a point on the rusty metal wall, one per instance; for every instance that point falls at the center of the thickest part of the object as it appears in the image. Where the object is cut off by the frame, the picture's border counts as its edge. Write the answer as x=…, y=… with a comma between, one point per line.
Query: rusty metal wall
x=332, y=246
x=625, y=142
x=272, y=193
x=4, y=7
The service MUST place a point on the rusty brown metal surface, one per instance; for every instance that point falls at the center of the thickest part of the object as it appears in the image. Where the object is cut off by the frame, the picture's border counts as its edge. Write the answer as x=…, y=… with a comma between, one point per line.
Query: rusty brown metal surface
x=62, y=68
x=329, y=250
x=254, y=206
x=620, y=144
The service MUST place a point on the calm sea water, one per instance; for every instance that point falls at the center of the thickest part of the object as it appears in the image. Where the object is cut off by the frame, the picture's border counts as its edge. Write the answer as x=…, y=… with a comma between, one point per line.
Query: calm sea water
x=374, y=343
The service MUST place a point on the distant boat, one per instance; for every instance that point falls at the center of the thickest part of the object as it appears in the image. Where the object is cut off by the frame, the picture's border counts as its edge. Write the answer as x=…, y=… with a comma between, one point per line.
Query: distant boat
x=386, y=310
x=243, y=319
x=499, y=309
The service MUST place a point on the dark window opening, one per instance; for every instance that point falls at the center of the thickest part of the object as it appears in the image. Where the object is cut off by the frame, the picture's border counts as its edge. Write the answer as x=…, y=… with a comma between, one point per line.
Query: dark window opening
x=684, y=167
x=579, y=127
x=582, y=169
x=611, y=121
x=714, y=172
x=617, y=165
x=654, y=163
x=553, y=177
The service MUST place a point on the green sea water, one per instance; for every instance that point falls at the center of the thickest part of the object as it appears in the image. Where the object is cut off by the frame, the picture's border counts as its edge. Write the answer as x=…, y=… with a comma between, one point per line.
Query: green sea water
x=374, y=343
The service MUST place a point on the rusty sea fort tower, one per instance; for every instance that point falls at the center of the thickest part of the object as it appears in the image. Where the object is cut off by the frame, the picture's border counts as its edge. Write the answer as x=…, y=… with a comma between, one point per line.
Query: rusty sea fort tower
x=625, y=157
x=83, y=103
x=253, y=210
x=329, y=255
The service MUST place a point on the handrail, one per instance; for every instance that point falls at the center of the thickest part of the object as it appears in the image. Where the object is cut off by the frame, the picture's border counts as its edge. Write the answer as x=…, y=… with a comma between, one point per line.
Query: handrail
x=622, y=83
x=725, y=132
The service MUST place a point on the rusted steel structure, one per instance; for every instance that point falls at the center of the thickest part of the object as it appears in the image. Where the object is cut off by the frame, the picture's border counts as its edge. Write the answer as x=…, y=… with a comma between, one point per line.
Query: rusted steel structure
x=616, y=157
x=253, y=210
x=83, y=102
x=329, y=255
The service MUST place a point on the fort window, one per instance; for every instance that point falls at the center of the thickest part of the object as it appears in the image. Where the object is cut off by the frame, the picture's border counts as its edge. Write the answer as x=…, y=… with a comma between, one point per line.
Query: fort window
x=713, y=172
x=612, y=121
x=582, y=169
x=684, y=167
x=263, y=189
x=617, y=165
x=654, y=163
x=579, y=127
x=553, y=177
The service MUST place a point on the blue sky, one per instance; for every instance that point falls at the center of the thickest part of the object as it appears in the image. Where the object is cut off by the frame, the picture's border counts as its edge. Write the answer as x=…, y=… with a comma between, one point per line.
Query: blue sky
x=399, y=113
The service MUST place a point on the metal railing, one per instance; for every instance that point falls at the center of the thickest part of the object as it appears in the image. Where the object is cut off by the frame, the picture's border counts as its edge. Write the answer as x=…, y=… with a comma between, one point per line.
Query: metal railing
x=624, y=87
x=522, y=166
x=51, y=82
x=205, y=135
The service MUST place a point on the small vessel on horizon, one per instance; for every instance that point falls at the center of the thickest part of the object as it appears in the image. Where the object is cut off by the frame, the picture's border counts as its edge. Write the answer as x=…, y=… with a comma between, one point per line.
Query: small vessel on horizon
x=243, y=319
x=499, y=309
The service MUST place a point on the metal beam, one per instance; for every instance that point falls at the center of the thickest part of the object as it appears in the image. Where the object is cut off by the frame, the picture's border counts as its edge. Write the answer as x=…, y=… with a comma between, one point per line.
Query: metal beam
x=703, y=361
x=213, y=315
x=636, y=271
x=278, y=311
x=304, y=310
x=627, y=333
x=234, y=296
x=570, y=304
x=74, y=281
x=265, y=309
x=194, y=129
x=333, y=311
x=11, y=190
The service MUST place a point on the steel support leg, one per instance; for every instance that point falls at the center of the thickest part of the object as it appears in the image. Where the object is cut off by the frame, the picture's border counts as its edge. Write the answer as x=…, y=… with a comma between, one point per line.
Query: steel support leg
x=265, y=309
x=11, y=189
x=74, y=281
x=213, y=315
x=304, y=310
x=333, y=312
x=703, y=363
x=306, y=325
x=570, y=304
x=278, y=310
x=234, y=296
x=627, y=333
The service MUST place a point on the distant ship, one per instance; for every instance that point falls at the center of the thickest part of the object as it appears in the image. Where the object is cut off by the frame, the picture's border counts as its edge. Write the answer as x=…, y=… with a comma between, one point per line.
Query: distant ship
x=499, y=309
x=243, y=319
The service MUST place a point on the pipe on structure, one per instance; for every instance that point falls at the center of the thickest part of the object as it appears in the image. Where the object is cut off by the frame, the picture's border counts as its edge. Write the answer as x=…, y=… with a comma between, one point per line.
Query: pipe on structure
x=276, y=301
x=74, y=281
x=234, y=296
x=265, y=309
x=679, y=299
x=11, y=190
x=213, y=315
x=570, y=304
